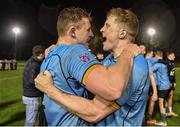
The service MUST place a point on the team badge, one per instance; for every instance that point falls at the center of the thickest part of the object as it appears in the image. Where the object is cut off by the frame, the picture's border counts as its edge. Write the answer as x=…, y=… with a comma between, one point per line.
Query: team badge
x=84, y=57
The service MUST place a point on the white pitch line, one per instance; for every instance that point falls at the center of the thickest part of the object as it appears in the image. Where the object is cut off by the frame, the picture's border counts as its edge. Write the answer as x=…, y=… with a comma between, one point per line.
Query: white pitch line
x=14, y=77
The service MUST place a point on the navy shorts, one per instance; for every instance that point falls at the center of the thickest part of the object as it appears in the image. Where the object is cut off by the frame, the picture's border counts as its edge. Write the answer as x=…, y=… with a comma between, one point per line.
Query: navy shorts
x=163, y=94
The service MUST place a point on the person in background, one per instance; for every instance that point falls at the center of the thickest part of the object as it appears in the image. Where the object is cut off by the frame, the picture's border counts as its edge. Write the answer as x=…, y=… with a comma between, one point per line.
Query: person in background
x=100, y=56
x=163, y=85
x=31, y=95
x=143, y=49
x=153, y=87
x=171, y=74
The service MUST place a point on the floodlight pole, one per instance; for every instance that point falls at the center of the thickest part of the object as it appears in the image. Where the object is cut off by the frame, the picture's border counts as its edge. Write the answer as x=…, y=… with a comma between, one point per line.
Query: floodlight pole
x=16, y=31
x=15, y=45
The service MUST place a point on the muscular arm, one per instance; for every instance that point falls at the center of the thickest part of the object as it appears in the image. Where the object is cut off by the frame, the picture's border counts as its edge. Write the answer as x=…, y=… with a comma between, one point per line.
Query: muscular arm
x=109, y=83
x=89, y=110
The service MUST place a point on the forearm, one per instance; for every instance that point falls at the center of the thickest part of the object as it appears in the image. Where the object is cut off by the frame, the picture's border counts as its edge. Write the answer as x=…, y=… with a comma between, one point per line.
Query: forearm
x=103, y=109
x=98, y=117
x=153, y=83
x=72, y=103
x=89, y=110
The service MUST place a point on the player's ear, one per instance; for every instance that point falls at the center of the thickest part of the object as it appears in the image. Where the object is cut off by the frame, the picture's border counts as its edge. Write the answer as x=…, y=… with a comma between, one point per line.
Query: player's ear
x=72, y=32
x=122, y=33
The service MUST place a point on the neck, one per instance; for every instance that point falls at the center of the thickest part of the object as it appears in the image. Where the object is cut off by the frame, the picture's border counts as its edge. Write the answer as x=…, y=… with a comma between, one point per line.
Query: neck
x=159, y=57
x=65, y=40
x=116, y=53
x=119, y=48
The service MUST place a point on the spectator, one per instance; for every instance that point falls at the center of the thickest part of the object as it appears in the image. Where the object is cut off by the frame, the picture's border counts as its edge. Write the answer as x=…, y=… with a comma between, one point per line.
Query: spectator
x=7, y=64
x=31, y=95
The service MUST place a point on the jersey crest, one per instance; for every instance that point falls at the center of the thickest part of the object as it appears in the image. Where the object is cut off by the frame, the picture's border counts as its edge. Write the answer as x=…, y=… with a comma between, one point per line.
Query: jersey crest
x=84, y=57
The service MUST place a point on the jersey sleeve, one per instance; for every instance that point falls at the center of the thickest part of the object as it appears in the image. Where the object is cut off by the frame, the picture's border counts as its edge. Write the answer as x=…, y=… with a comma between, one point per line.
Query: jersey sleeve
x=81, y=62
x=51, y=64
x=123, y=99
x=156, y=67
x=150, y=66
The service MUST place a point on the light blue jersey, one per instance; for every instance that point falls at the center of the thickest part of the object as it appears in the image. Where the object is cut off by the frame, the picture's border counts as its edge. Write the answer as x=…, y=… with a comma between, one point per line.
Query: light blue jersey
x=134, y=99
x=67, y=65
x=151, y=61
x=161, y=76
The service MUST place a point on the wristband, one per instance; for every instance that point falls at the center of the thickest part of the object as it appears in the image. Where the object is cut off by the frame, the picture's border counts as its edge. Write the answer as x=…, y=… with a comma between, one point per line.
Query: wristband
x=115, y=105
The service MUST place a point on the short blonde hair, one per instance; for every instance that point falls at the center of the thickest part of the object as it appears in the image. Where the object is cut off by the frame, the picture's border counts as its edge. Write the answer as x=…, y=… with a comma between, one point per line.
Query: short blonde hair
x=125, y=18
x=70, y=15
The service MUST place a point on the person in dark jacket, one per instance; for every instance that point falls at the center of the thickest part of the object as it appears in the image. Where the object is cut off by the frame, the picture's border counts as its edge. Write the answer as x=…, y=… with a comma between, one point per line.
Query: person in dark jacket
x=31, y=95
x=171, y=74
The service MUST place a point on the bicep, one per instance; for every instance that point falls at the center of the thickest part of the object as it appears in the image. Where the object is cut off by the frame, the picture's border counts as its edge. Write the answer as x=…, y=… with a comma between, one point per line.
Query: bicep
x=98, y=82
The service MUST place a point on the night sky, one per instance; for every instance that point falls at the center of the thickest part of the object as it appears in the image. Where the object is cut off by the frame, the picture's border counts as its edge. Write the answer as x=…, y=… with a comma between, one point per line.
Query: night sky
x=37, y=19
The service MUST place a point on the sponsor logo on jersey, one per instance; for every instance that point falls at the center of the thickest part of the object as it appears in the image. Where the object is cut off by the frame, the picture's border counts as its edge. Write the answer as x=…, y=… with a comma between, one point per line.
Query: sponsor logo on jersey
x=84, y=57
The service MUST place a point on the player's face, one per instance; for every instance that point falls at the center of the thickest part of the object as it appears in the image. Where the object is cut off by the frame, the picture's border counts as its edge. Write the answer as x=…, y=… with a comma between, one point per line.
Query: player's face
x=84, y=33
x=172, y=56
x=41, y=56
x=110, y=32
x=151, y=54
x=143, y=49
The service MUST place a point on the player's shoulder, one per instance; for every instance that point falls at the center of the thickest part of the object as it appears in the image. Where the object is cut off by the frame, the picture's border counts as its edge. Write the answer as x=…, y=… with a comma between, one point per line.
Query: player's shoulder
x=140, y=63
x=140, y=60
x=66, y=50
